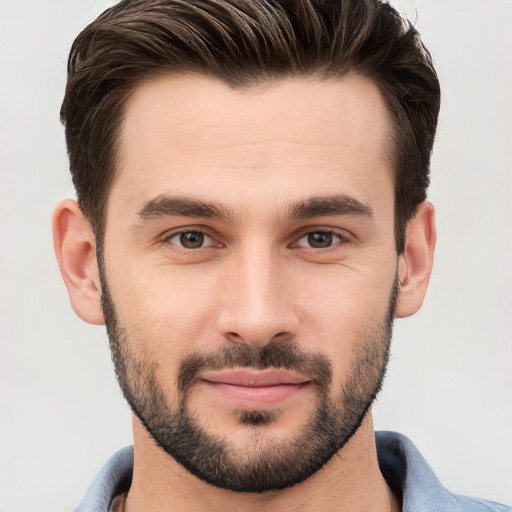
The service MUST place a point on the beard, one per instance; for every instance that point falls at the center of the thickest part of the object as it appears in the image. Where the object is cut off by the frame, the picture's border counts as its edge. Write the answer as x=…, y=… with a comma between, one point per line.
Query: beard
x=270, y=465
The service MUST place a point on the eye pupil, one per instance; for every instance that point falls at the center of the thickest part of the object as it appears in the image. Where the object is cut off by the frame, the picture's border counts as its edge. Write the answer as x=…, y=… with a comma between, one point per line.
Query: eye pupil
x=192, y=239
x=320, y=240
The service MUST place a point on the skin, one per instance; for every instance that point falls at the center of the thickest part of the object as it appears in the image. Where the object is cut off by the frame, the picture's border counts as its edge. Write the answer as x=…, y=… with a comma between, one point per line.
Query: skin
x=255, y=154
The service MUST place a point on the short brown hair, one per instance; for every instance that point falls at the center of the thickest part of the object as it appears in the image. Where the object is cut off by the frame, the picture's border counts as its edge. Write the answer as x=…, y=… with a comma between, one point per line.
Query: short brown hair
x=244, y=43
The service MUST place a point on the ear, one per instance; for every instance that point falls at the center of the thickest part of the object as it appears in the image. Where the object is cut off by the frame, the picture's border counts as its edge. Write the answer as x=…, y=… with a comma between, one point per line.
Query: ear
x=415, y=263
x=75, y=248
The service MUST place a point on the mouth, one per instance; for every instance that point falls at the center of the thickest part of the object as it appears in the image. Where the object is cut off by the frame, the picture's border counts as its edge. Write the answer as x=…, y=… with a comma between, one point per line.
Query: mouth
x=255, y=389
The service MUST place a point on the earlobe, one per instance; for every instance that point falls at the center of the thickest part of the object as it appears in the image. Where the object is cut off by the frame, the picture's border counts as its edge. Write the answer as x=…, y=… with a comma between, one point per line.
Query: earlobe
x=415, y=263
x=75, y=248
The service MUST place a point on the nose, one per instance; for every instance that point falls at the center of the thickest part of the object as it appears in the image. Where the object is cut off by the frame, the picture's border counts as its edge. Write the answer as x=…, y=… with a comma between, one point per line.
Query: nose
x=257, y=300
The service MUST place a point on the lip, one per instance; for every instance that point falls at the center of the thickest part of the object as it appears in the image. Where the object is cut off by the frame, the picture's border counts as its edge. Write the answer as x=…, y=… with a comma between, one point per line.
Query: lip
x=254, y=378
x=253, y=389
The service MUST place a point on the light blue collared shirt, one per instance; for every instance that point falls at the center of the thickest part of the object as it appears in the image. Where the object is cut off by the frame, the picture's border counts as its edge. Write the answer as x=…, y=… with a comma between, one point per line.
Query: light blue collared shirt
x=402, y=465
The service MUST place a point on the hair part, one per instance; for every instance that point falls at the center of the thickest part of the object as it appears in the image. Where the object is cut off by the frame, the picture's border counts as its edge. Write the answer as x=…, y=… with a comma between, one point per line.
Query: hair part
x=246, y=43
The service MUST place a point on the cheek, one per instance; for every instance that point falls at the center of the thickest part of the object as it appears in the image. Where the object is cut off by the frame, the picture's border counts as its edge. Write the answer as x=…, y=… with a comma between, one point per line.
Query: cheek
x=168, y=311
x=348, y=311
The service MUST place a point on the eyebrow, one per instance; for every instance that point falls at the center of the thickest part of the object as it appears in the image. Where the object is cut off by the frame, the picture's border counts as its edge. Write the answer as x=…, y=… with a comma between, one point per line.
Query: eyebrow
x=330, y=205
x=319, y=206
x=170, y=206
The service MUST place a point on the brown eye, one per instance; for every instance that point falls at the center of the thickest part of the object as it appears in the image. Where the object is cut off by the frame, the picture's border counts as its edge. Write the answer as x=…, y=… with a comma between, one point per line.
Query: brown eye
x=190, y=239
x=319, y=239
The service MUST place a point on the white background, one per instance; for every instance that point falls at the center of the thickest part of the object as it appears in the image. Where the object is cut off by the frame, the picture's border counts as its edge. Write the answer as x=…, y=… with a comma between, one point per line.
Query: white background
x=449, y=387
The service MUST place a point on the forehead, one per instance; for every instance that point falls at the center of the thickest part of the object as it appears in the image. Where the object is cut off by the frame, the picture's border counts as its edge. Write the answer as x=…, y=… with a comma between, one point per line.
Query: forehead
x=195, y=135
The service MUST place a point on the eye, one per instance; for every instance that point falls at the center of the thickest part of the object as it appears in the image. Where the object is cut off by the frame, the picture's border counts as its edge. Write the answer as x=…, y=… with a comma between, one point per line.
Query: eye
x=320, y=239
x=191, y=239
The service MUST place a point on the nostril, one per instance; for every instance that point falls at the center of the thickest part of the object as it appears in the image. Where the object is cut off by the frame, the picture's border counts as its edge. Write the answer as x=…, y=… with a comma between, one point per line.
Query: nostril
x=281, y=336
x=233, y=336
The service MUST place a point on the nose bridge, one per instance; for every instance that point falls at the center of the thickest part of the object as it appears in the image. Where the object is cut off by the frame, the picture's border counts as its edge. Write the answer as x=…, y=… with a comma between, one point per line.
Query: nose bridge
x=257, y=306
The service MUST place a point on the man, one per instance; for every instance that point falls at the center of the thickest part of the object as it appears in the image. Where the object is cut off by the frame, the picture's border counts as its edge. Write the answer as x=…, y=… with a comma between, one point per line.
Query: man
x=251, y=180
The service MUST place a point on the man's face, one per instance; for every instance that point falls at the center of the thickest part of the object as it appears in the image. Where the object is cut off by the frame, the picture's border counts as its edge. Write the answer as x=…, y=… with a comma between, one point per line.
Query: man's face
x=249, y=271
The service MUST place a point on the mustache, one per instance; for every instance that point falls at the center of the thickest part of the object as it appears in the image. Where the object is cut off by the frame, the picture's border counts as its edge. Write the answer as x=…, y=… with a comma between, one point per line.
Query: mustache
x=314, y=365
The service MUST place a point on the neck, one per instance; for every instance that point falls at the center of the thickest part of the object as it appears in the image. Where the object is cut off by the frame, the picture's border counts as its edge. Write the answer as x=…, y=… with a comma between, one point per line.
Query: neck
x=351, y=480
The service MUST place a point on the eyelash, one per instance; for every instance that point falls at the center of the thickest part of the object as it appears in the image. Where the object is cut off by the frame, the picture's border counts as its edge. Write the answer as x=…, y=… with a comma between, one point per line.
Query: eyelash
x=343, y=239
x=169, y=237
